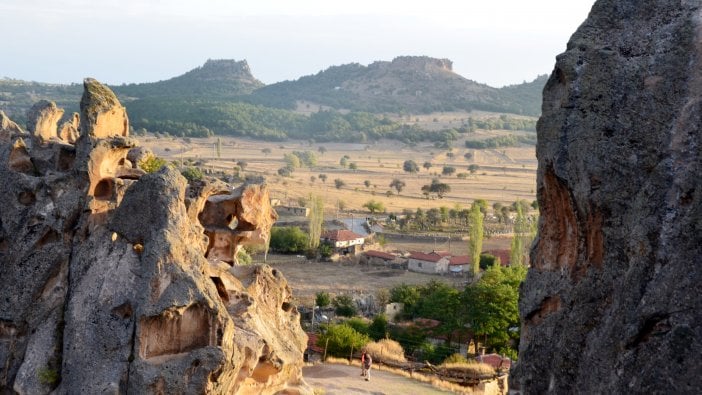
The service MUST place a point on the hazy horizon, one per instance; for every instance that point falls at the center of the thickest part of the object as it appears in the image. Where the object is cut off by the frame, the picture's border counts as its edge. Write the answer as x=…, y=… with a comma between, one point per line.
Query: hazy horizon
x=501, y=43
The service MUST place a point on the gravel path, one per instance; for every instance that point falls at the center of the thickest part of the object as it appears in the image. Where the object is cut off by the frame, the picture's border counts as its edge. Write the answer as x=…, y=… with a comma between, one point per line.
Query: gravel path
x=344, y=380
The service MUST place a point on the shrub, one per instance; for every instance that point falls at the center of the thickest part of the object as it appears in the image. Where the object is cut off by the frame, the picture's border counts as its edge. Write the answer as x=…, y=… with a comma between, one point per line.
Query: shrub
x=344, y=306
x=192, y=173
x=152, y=164
x=322, y=299
x=288, y=239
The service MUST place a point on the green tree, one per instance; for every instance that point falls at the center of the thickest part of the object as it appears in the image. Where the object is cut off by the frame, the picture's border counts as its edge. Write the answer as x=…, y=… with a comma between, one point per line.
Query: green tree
x=315, y=220
x=367, y=183
x=379, y=327
x=344, y=306
x=353, y=166
x=266, y=151
x=427, y=165
x=322, y=150
x=475, y=234
x=398, y=184
x=410, y=166
x=374, y=206
x=341, y=340
x=292, y=161
x=473, y=168
x=322, y=299
x=339, y=183
x=491, y=306
x=448, y=170
x=288, y=239
x=323, y=177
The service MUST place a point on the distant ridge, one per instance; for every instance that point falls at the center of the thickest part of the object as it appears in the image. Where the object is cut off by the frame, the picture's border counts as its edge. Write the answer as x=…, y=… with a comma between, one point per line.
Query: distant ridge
x=414, y=84
x=217, y=77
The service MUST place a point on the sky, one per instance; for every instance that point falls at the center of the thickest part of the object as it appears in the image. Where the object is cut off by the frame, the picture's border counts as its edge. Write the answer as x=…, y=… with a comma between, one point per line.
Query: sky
x=498, y=42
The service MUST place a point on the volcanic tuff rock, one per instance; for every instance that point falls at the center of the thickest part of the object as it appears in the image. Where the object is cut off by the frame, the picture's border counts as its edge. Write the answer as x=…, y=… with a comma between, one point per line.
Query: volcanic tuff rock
x=106, y=285
x=8, y=128
x=101, y=113
x=68, y=131
x=42, y=120
x=611, y=303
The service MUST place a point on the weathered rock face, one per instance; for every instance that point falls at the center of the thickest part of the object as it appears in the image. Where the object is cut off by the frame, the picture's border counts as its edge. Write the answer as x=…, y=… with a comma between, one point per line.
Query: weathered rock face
x=8, y=128
x=102, y=115
x=106, y=285
x=69, y=130
x=42, y=120
x=611, y=303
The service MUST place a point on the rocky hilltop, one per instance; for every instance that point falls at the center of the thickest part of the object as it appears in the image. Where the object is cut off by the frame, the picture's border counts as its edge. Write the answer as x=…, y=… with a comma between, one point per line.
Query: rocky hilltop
x=611, y=303
x=114, y=280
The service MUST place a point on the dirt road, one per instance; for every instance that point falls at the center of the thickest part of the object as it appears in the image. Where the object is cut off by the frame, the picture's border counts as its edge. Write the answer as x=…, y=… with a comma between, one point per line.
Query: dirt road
x=332, y=379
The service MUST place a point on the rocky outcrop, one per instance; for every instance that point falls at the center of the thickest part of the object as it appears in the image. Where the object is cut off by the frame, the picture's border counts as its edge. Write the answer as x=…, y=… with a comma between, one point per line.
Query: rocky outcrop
x=107, y=285
x=611, y=301
x=69, y=130
x=8, y=128
x=42, y=120
x=102, y=115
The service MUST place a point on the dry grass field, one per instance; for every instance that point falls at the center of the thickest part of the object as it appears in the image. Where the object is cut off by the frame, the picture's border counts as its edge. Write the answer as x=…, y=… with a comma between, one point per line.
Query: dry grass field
x=504, y=175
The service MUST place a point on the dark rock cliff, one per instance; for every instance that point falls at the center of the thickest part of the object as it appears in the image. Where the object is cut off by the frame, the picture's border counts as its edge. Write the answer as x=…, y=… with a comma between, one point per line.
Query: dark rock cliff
x=611, y=303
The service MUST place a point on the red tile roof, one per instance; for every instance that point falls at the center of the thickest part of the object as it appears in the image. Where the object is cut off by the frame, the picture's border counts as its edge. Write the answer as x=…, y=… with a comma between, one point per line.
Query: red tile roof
x=441, y=253
x=341, y=235
x=460, y=260
x=502, y=254
x=420, y=256
x=380, y=254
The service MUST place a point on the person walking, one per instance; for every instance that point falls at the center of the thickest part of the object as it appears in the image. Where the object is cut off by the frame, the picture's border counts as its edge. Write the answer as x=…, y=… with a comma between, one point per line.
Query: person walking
x=366, y=362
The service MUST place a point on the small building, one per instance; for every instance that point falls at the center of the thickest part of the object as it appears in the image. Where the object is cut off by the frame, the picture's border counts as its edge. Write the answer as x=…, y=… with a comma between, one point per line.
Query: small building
x=374, y=257
x=344, y=242
x=459, y=264
x=432, y=263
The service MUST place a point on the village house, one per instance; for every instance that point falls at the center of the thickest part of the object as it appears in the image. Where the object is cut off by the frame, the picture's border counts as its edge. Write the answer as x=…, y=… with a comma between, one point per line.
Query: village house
x=459, y=264
x=431, y=263
x=344, y=242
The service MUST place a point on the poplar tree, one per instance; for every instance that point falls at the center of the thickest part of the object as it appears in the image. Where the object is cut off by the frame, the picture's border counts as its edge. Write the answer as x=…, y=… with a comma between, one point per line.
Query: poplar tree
x=475, y=242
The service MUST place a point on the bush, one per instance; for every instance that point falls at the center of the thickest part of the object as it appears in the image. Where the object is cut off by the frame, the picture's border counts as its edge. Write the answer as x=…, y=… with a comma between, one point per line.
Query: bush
x=344, y=306
x=152, y=164
x=288, y=239
x=341, y=339
x=379, y=327
x=192, y=173
x=243, y=257
x=322, y=299
x=358, y=324
x=455, y=358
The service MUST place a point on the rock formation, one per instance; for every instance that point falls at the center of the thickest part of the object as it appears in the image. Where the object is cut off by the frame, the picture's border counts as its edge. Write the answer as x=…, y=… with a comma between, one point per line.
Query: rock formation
x=68, y=131
x=611, y=303
x=102, y=115
x=8, y=128
x=42, y=120
x=106, y=285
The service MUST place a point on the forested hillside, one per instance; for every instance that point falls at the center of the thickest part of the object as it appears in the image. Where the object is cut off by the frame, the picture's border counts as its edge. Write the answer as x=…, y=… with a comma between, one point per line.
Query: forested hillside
x=360, y=102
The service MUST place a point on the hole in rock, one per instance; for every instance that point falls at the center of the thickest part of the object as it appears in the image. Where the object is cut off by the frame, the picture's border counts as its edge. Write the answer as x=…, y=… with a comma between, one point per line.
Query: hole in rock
x=221, y=290
x=51, y=236
x=26, y=198
x=65, y=160
x=103, y=189
x=286, y=307
x=123, y=311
